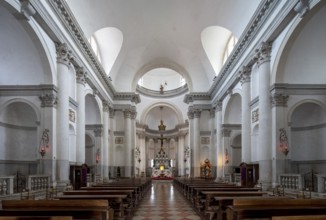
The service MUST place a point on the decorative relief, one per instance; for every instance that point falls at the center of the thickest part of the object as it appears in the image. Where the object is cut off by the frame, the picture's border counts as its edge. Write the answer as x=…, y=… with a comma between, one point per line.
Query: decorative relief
x=106, y=106
x=118, y=140
x=111, y=113
x=98, y=132
x=72, y=116
x=255, y=116
x=226, y=132
x=48, y=100
x=205, y=140
x=218, y=106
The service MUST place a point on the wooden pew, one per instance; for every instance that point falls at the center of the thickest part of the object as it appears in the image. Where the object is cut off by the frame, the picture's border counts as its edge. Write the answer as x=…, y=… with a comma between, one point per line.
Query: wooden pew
x=267, y=208
x=36, y=217
x=114, y=201
x=302, y=217
x=222, y=202
x=78, y=209
x=208, y=202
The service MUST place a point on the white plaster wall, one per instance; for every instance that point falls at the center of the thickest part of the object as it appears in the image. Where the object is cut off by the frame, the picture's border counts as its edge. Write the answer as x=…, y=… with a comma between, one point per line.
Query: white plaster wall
x=119, y=121
x=233, y=110
x=204, y=122
x=20, y=60
x=93, y=115
x=303, y=61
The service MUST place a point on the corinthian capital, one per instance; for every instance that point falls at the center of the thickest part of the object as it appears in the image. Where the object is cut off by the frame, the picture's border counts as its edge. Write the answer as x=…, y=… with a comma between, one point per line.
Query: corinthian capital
x=264, y=53
x=279, y=100
x=81, y=75
x=106, y=106
x=64, y=55
x=48, y=100
x=245, y=74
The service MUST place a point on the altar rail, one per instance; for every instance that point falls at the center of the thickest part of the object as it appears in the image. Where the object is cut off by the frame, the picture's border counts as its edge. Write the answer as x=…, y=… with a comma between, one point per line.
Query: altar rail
x=291, y=181
x=6, y=185
x=38, y=182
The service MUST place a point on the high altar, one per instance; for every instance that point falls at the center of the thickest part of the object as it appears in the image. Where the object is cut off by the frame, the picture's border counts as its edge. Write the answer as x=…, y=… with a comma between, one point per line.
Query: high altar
x=162, y=167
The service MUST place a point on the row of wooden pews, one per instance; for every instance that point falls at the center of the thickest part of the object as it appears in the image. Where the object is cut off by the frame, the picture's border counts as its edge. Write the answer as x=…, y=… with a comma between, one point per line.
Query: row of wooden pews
x=106, y=201
x=213, y=200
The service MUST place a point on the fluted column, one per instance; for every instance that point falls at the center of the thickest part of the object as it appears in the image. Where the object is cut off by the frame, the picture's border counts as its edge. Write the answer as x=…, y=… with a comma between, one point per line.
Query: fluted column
x=111, y=149
x=245, y=113
x=127, y=117
x=265, y=126
x=105, y=151
x=280, y=131
x=62, y=151
x=80, y=122
x=196, y=134
x=219, y=147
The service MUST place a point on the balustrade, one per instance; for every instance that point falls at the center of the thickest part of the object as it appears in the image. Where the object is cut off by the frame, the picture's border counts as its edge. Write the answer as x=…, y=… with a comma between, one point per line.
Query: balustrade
x=6, y=185
x=38, y=182
x=291, y=181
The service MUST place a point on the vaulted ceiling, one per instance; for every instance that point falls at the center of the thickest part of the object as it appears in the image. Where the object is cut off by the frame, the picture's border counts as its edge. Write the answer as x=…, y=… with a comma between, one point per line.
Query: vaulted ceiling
x=134, y=37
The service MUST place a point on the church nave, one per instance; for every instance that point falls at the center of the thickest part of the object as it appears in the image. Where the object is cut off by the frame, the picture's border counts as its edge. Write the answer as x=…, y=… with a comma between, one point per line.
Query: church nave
x=163, y=201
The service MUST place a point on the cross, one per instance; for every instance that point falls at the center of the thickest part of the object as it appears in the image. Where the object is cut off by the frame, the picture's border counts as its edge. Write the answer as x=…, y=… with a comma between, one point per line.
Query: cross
x=161, y=138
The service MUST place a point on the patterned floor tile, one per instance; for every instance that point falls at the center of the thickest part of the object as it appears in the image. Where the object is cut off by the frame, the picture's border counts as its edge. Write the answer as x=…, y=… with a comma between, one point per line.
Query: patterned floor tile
x=163, y=202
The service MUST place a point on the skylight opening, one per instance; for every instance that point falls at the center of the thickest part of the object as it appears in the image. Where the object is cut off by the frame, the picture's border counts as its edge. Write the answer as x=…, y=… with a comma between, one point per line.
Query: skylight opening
x=94, y=46
x=229, y=47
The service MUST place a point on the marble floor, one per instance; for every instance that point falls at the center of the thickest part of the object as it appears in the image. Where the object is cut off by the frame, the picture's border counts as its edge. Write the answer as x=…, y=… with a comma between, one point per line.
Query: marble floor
x=164, y=202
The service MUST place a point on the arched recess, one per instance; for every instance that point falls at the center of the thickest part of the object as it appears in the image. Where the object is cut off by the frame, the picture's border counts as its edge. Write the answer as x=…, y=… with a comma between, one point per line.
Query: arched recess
x=26, y=51
x=174, y=108
x=19, y=138
x=232, y=111
x=302, y=50
x=92, y=110
x=307, y=138
x=162, y=63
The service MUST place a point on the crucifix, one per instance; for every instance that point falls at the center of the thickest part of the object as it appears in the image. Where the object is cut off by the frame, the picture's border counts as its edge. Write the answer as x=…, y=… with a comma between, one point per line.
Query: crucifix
x=161, y=138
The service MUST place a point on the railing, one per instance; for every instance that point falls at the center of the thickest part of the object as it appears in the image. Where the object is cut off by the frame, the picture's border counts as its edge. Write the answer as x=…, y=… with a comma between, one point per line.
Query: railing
x=6, y=185
x=237, y=178
x=291, y=181
x=38, y=182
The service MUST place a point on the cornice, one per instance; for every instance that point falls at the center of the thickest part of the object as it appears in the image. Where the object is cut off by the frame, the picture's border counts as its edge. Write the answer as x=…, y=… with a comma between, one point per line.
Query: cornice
x=27, y=90
x=260, y=17
x=64, y=14
x=299, y=89
x=199, y=96
x=165, y=94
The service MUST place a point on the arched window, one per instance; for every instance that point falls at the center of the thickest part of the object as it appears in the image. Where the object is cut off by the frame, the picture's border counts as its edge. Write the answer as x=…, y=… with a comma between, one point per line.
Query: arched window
x=93, y=43
x=229, y=47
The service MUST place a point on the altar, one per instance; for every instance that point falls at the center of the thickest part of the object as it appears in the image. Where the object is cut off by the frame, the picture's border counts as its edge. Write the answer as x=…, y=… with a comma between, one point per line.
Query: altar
x=162, y=167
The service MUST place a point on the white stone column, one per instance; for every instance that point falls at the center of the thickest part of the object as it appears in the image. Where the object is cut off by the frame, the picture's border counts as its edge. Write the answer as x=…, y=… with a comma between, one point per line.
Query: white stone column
x=98, y=133
x=133, y=115
x=80, y=118
x=181, y=156
x=48, y=121
x=280, y=158
x=62, y=154
x=212, y=153
x=219, y=146
x=245, y=115
x=127, y=117
x=105, y=152
x=111, y=149
x=196, y=134
x=265, y=122
x=190, y=161
x=226, y=151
